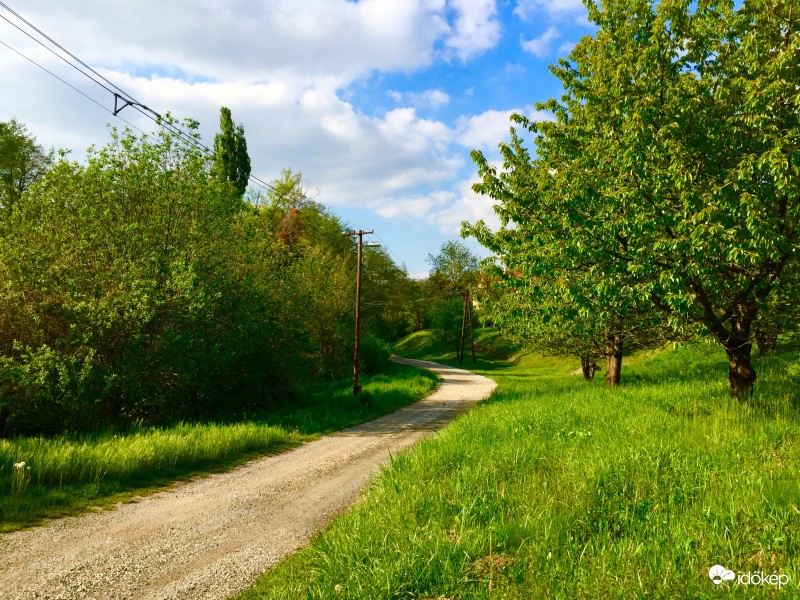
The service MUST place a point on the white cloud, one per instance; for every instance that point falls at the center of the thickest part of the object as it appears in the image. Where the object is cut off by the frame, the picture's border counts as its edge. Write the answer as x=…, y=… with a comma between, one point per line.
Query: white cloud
x=476, y=28
x=526, y=9
x=418, y=207
x=273, y=39
x=445, y=209
x=540, y=46
x=468, y=206
x=426, y=99
x=290, y=72
x=486, y=130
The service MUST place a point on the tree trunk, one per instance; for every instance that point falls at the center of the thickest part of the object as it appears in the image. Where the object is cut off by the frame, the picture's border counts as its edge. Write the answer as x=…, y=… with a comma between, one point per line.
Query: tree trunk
x=766, y=341
x=738, y=346
x=613, y=358
x=741, y=374
x=588, y=367
x=613, y=368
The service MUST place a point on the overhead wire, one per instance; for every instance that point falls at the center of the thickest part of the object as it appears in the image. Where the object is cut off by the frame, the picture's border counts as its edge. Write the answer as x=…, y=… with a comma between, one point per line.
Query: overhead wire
x=392, y=252
x=138, y=106
x=400, y=261
x=82, y=93
x=119, y=93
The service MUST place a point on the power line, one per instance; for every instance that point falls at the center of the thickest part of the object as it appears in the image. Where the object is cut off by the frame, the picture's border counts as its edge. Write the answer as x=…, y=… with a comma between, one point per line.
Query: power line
x=85, y=95
x=119, y=94
x=392, y=252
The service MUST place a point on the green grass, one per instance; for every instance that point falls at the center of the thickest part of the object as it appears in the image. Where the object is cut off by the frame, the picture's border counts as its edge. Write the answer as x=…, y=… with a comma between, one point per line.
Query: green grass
x=490, y=346
x=561, y=488
x=70, y=474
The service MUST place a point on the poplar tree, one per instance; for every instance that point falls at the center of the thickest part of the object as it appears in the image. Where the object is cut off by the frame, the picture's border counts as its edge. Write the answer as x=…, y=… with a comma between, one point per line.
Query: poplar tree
x=231, y=160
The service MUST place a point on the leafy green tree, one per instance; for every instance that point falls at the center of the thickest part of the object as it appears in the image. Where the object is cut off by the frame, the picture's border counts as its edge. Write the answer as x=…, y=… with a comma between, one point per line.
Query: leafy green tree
x=22, y=161
x=316, y=264
x=385, y=296
x=672, y=169
x=231, y=160
x=122, y=301
x=454, y=269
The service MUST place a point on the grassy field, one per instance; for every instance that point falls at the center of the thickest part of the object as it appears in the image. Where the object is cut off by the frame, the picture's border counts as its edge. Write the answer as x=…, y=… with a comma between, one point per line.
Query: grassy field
x=561, y=488
x=48, y=477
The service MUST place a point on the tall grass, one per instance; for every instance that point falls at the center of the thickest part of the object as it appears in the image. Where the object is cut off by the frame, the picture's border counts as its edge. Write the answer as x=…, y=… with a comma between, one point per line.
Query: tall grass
x=70, y=473
x=560, y=488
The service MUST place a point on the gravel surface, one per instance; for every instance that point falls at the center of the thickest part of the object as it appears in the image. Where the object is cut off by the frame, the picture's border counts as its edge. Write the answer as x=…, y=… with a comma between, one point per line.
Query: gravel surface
x=213, y=537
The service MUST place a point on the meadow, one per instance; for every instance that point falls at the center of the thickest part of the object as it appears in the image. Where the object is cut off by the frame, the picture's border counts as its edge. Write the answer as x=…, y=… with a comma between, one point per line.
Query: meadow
x=561, y=488
x=46, y=477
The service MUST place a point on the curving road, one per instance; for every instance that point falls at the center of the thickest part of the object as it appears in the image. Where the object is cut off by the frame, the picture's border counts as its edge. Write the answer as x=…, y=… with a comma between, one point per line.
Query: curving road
x=214, y=536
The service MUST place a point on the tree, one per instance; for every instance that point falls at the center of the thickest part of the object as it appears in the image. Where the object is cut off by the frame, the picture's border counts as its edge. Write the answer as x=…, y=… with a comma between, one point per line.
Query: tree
x=22, y=161
x=231, y=161
x=672, y=169
x=114, y=272
x=314, y=263
x=454, y=269
x=386, y=295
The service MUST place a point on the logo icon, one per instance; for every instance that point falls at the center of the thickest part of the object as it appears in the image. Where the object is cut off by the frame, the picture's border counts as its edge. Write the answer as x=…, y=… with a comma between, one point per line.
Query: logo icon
x=718, y=574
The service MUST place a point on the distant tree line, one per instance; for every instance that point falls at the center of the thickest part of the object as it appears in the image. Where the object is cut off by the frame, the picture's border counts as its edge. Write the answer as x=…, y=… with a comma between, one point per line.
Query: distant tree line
x=663, y=199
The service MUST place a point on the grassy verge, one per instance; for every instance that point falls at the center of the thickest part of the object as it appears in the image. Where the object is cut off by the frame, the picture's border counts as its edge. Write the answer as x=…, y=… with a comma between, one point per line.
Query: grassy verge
x=559, y=488
x=69, y=474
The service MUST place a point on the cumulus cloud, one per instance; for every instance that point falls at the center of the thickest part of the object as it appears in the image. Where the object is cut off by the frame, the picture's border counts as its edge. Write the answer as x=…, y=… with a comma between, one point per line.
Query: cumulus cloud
x=273, y=38
x=425, y=99
x=484, y=131
x=540, y=46
x=476, y=27
x=526, y=9
x=468, y=206
x=418, y=207
x=289, y=72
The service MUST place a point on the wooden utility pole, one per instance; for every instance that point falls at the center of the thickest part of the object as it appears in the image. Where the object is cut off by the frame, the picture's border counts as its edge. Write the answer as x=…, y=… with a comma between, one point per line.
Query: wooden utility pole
x=467, y=319
x=360, y=233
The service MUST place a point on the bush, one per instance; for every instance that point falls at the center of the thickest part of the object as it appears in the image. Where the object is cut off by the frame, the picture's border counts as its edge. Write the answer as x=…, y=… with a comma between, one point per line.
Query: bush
x=373, y=353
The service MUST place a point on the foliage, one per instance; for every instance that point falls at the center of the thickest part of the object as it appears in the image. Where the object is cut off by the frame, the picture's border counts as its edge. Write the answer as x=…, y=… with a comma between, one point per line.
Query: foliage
x=671, y=172
x=444, y=317
x=22, y=162
x=138, y=287
x=454, y=269
x=231, y=160
x=386, y=296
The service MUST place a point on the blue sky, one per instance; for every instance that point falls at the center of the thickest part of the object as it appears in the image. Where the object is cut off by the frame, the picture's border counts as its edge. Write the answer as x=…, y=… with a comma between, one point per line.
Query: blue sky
x=378, y=102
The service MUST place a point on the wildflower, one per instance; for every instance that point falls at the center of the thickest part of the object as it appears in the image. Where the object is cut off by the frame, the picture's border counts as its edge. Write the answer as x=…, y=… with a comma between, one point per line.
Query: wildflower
x=20, y=465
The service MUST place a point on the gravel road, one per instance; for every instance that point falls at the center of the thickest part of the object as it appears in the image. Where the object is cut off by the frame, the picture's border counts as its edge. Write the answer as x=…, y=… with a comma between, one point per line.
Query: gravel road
x=213, y=537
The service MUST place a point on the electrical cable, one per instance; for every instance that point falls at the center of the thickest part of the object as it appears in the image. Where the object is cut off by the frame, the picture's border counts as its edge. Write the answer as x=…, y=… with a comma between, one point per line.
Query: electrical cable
x=120, y=93
x=401, y=262
x=85, y=95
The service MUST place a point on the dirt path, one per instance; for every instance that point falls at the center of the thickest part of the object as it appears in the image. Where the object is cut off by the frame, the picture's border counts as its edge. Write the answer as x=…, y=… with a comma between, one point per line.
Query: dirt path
x=212, y=537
